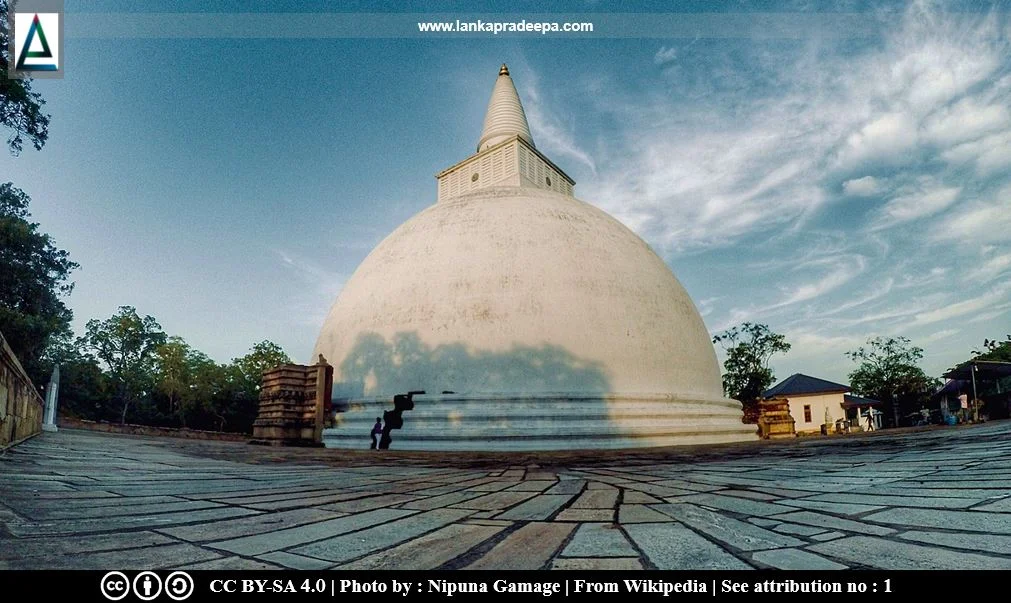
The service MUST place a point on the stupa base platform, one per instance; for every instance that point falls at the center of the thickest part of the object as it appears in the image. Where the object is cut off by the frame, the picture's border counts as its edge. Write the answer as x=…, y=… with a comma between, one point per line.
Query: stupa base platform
x=545, y=422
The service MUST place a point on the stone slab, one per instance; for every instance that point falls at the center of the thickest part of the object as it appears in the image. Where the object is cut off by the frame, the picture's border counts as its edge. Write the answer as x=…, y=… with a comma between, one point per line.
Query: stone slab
x=969, y=521
x=300, y=502
x=597, y=499
x=367, y=504
x=599, y=540
x=567, y=486
x=830, y=507
x=248, y=526
x=585, y=515
x=880, y=553
x=672, y=546
x=836, y=523
x=795, y=559
x=538, y=508
x=293, y=561
x=799, y=530
x=442, y=500
x=596, y=563
x=998, y=506
x=349, y=546
x=230, y=564
x=897, y=501
x=23, y=548
x=739, y=534
x=634, y=497
x=735, y=505
x=155, y=557
x=639, y=514
x=532, y=486
x=529, y=548
x=994, y=543
x=282, y=539
x=430, y=551
x=127, y=508
x=108, y=524
x=495, y=501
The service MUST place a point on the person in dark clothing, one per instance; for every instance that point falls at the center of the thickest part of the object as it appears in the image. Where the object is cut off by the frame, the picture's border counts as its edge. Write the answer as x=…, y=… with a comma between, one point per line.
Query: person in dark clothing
x=377, y=430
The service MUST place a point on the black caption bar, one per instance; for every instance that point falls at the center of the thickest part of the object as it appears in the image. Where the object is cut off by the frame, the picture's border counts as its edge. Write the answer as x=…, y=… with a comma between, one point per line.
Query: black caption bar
x=131, y=586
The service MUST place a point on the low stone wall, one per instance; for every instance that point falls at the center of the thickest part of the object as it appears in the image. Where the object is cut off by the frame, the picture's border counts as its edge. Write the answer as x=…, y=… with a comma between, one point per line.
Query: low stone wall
x=21, y=406
x=148, y=430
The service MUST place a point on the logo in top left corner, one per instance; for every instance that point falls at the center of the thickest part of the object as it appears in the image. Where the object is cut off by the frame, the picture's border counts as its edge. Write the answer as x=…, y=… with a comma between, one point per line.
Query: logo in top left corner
x=37, y=44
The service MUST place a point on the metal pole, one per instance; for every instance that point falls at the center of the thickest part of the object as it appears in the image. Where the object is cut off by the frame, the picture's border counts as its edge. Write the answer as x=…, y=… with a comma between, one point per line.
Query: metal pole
x=975, y=405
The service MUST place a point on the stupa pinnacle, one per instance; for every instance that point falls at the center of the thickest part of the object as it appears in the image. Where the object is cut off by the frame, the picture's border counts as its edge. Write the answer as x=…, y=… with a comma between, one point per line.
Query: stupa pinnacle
x=505, y=117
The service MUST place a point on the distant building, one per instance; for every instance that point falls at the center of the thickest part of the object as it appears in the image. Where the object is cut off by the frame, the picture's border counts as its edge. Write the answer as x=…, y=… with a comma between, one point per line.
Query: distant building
x=814, y=402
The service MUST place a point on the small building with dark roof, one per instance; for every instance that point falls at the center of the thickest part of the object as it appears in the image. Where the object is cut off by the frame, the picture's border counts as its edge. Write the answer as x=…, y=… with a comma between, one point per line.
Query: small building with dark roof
x=814, y=401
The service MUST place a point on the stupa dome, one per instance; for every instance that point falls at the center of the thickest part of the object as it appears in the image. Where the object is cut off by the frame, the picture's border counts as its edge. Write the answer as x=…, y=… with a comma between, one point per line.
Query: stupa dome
x=532, y=320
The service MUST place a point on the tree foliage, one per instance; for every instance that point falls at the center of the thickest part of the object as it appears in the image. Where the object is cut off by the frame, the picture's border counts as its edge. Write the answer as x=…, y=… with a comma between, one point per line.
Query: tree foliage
x=993, y=350
x=34, y=280
x=84, y=388
x=747, y=375
x=20, y=107
x=261, y=357
x=126, y=344
x=126, y=369
x=189, y=389
x=888, y=372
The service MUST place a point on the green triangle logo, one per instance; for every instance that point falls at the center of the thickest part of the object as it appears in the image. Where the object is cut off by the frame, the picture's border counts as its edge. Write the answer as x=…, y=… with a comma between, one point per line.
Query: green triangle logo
x=45, y=53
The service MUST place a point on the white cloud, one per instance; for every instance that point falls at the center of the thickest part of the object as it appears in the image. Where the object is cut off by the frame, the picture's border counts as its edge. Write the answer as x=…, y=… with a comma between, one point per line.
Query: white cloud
x=988, y=154
x=928, y=199
x=690, y=175
x=841, y=271
x=550, y=134
x=315, y=288
x=975, y=224
x=746, y=157
x=965, y=120
x=937, y=336
x=975, y=304
x=989, y=269
x=862, y=187
x=878, y=289
x=885, y=138
x=990, y=315
x=665, y=55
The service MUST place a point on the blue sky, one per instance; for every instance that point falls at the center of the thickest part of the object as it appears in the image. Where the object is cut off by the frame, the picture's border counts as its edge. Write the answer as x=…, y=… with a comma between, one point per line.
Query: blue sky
x=834, y=187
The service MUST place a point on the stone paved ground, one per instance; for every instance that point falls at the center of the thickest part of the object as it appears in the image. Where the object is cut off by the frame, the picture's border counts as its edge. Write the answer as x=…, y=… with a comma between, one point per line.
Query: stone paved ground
x=938, y=498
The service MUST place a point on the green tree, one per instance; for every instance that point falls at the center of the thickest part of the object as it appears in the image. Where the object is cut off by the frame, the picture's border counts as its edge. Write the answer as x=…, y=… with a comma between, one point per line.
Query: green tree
x=34, y=279
x=20, y=107
x=173, y=378
x=747, y=375
x=126, y=344
x=261, y=357
x=84, y=388
x=993, y=350
x=242, y=382
x=888, y=372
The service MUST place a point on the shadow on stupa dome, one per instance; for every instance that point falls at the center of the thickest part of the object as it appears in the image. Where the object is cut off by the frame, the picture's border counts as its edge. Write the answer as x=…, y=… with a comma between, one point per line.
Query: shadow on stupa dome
x=377, y=367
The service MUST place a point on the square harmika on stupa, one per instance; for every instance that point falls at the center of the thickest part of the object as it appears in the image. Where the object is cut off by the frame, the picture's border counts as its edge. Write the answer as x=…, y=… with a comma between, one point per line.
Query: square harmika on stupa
x=531, y=319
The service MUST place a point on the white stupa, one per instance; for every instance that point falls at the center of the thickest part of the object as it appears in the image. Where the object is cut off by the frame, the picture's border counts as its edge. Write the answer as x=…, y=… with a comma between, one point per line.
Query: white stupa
x=533, y=320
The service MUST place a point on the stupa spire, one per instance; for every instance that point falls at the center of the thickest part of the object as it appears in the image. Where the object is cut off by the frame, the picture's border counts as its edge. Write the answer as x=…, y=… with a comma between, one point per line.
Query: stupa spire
x=505, y=117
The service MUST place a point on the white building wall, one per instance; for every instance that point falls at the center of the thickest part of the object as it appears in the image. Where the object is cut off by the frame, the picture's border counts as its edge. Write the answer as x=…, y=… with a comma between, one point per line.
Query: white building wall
x=818, y=403
x=512, y=164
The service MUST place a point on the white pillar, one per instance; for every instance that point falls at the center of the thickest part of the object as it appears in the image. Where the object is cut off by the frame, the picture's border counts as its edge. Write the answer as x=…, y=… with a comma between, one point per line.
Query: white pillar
x=52, y=397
